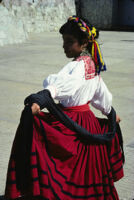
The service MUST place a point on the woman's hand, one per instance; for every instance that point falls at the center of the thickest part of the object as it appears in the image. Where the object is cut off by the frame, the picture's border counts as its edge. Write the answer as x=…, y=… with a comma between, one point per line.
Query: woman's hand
x=118, y=119
x=35, y=109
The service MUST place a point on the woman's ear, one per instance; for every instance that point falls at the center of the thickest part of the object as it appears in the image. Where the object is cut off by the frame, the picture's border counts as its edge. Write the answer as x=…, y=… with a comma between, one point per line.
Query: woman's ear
x=85, y=44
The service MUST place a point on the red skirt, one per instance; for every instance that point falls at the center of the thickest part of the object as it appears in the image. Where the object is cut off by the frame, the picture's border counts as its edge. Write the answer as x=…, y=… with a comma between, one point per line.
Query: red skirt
x=63, y=167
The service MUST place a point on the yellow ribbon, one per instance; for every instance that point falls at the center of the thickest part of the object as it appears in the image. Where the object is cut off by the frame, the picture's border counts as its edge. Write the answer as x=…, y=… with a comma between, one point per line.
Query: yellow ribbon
x=99, y=52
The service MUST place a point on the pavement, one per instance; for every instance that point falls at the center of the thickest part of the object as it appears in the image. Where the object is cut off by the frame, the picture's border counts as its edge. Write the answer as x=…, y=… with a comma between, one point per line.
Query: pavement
x=23, y=67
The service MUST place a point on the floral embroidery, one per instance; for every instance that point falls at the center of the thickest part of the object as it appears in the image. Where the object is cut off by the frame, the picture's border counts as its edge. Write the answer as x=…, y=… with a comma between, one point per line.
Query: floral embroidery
x=89, y=67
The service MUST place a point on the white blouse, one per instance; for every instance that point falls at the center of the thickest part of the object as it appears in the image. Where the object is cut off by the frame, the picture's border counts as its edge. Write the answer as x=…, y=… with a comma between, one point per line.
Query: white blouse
x=76, y=84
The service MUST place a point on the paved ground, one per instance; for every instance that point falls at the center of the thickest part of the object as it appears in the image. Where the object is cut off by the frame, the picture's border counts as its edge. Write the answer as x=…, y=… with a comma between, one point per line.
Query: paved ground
x=23, y=68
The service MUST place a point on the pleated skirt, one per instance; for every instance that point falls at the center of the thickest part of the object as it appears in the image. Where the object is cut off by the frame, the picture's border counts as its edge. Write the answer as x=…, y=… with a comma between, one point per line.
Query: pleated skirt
x=65, y=167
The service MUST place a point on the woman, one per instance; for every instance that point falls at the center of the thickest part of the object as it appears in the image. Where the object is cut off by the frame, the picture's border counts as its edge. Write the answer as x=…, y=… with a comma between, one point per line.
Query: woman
x=58, y=158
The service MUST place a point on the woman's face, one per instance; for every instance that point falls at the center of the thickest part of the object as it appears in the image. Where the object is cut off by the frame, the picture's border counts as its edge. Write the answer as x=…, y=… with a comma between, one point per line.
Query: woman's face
x=71, y=46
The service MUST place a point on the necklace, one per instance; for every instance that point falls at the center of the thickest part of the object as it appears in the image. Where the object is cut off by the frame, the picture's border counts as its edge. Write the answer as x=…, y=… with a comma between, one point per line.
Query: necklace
x=85, y=52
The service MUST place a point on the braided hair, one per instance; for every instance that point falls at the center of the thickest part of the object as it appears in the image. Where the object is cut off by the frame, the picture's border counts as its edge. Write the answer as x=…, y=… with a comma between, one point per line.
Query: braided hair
x=84, y=32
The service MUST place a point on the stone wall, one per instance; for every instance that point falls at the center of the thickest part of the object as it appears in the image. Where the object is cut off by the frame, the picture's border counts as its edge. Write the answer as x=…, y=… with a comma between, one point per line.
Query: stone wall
x=18, y=18
x=12, y=29
x=98, y=12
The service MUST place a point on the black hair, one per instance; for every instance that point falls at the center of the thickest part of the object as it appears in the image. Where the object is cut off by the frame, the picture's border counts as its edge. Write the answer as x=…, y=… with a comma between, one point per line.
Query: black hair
x=72, y=28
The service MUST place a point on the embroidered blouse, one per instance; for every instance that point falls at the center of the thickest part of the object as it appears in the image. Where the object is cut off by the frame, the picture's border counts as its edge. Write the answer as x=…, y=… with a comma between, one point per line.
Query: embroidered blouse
x=77, y=84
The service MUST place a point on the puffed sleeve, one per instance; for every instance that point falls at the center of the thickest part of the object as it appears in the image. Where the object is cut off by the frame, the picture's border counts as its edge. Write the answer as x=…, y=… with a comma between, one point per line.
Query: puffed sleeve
x=65, y=83
x=102, y=99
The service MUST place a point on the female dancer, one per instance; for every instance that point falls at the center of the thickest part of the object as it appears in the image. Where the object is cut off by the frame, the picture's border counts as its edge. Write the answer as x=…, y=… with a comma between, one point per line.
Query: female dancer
x=69, y=153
